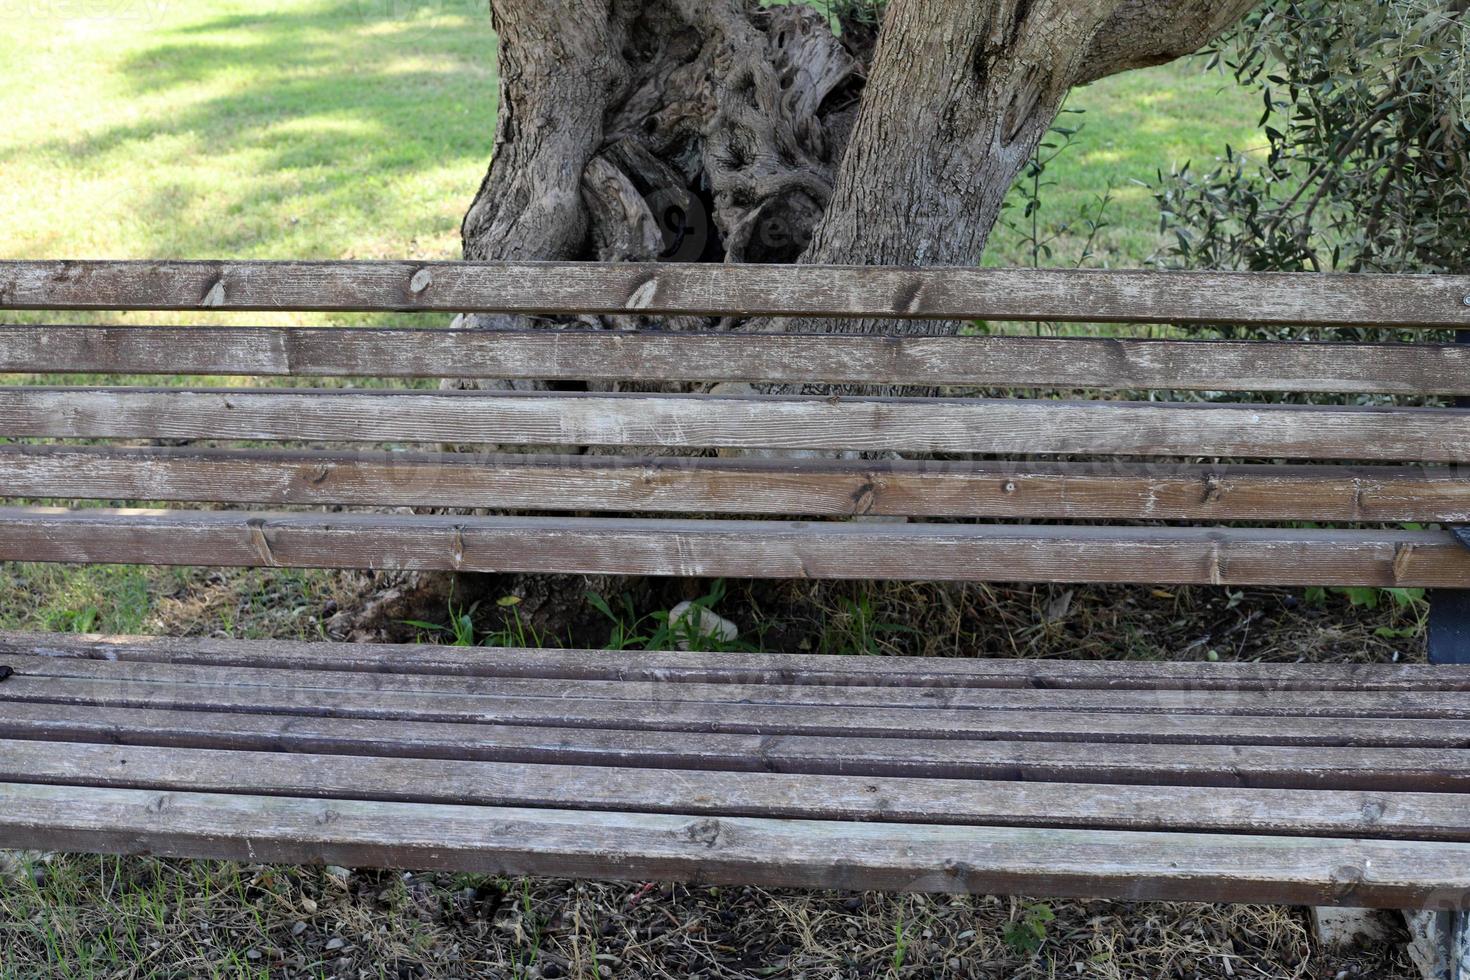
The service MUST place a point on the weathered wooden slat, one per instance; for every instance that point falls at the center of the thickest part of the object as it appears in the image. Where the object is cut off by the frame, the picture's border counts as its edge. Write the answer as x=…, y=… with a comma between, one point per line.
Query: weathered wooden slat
x=740, y=549
x=1305, y=813
x=739, y=667
x=584, y=355
x=1193, y=764
x=871, y=424
x=765, y=720
x=683, y=485
x=734, y=850
x=766, y=290
x=465, y=693
x=465, y=690
x=1236, y=724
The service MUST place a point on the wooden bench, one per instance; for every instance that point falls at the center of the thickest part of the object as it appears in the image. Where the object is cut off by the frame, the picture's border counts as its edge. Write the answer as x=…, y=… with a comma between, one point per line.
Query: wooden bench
x=1320, y=784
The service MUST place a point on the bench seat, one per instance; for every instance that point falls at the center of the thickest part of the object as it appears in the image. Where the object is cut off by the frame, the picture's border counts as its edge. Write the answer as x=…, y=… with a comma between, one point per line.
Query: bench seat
x=1012, y=457
x=1320, y=784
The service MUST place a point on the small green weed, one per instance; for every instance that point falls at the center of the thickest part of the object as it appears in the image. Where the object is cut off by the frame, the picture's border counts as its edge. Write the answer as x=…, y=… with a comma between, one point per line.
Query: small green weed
x=460, y=630
x=856, y=629
x=1027, y=934
x=654, y=631
x=1410, y=604
x=531, y=929
x=514, y=631
x=900, y=946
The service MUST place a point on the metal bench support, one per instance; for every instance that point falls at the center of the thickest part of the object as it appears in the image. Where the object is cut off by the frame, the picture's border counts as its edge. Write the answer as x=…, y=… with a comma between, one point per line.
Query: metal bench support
x=1449, y=626
x=1449, y=609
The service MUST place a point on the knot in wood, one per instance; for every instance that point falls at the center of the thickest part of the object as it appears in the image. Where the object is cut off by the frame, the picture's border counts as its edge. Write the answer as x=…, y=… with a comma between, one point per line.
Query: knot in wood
x=706, y=832
x=1346, y=879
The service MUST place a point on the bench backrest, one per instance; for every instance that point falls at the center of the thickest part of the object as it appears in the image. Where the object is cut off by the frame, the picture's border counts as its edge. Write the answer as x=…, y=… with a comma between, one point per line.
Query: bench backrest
x=1371, y=462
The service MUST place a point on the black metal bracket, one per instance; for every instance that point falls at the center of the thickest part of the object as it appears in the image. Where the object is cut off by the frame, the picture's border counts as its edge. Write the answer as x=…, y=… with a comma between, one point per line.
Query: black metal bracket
x=1449, y=616
x=1449, y=626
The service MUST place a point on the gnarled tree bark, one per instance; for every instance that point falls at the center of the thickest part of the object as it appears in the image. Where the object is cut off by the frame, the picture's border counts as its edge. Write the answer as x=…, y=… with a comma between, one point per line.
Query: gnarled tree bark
x=721, y=130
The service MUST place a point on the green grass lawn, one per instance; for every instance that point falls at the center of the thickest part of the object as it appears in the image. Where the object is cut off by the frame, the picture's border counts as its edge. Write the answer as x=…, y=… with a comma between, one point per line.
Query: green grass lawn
x=328, y=129
x=337, y=129
x=1131, y=127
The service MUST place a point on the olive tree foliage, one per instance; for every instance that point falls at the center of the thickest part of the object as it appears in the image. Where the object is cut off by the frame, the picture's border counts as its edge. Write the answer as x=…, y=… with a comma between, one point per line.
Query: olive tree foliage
x=1367, y=158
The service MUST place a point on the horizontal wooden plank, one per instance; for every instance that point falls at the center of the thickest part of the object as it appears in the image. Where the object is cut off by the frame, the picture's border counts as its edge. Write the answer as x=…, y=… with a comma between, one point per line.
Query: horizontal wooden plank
x=765, y=720
x=585, y=355
x=1306, y=813
x=1192, y=763
x=862, y=711
x=740, y=549
x=734, y=850
x=738, y=667
x=867, y=424
x=742, y=290
x=685, y=485
x=465, y=694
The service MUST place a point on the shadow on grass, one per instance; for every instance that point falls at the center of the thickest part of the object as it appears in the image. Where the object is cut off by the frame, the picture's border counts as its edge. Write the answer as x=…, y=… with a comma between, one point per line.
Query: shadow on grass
x=342, y=115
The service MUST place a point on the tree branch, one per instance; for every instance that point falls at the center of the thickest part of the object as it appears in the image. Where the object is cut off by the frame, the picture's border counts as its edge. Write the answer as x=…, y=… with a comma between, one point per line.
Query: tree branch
x=1140, y=33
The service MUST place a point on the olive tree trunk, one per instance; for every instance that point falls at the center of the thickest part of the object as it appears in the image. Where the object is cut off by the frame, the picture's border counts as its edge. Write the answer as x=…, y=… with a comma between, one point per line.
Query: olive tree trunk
x=720, y=130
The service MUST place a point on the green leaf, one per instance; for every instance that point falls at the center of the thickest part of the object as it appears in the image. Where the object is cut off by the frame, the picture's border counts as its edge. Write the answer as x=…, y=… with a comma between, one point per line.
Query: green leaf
x=600, y=604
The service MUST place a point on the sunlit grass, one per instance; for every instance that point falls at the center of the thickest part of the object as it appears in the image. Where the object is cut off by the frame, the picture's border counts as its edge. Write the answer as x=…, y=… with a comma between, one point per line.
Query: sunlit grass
x=327, y=129
x=1133, y=126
